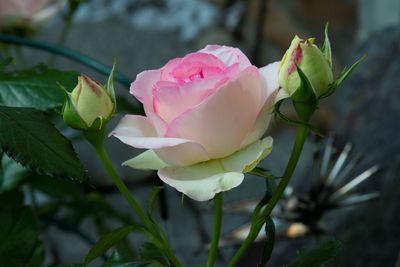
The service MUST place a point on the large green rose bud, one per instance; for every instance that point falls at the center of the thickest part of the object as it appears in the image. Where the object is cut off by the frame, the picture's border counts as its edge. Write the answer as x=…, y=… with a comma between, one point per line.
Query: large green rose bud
x=311, y=60
x=89, y=105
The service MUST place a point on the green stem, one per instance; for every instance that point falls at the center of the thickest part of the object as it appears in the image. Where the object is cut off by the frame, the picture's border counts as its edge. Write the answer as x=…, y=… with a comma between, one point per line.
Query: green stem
x=102, y=153
x=65, y=52
x=216, y=230
x=259, y=219
x=63, y=35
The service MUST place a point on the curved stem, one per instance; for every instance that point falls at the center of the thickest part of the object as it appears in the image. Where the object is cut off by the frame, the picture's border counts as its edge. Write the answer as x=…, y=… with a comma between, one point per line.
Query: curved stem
x=216, y=230
x=259, y=219
x=102, y=153
x=68, y=53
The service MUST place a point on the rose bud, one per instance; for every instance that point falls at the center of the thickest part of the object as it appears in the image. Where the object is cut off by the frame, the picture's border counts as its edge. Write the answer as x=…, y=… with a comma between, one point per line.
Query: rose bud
x=205, y=116
x=311, y=60
x=26, y=14
x=88, y=103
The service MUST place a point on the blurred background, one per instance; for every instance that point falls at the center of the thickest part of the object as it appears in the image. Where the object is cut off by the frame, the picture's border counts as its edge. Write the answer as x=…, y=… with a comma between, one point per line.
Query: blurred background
x=365, y=112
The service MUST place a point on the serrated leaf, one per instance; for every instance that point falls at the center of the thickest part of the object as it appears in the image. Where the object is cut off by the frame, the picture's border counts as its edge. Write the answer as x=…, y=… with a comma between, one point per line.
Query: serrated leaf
x=62, y=189
x=316, y=256
x=107, y=241
x=28, y=137
x=19, y=229
x=12, y=174
x=36, y=88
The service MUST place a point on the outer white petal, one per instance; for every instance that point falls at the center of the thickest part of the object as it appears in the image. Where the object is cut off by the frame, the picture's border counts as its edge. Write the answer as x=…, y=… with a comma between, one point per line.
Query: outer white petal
x=138, y=132
x=147, y=160
x=269, y=76
x=281, y=95
x=202, y=181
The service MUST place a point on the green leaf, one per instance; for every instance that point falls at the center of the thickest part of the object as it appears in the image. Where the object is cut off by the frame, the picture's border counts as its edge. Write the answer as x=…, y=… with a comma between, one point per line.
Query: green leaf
x=18, y=233
x=326, y=47
x=317, y=256
x=29, y=138
x=151, y=253
x=346, y=72
x=92, y=205
x=107, y=241
x=38, y=256
x=62, y=189
x=12, y=198
x=36, y=88
x=12, y=174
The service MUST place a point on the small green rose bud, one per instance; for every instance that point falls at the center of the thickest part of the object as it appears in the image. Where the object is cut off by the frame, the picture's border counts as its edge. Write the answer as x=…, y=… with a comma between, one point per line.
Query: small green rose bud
x=311, y=60
x=88, y=105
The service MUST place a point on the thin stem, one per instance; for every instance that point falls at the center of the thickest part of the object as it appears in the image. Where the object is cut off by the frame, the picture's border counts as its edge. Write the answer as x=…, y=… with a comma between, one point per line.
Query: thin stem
x=65, y=52
x=102, y=153
x=63, y=35
x=259, y=219
x=216, y=230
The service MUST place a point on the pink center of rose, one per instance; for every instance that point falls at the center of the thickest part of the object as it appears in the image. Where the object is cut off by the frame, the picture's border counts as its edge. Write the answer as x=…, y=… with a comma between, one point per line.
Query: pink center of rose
x=186, y=82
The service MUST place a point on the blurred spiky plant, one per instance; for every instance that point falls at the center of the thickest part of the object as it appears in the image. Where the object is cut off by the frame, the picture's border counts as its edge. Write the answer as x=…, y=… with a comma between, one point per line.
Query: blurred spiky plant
x=333, y=185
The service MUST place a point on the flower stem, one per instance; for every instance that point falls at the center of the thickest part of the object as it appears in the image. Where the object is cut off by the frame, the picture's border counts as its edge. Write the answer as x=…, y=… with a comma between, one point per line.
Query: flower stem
x=63, y=35
x=102, y=153
x=259, y=219
x=65, y=52
x=216, y=230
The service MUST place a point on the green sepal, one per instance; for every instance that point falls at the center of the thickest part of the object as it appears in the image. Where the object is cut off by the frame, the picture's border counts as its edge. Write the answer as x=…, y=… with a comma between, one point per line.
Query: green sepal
x=98, y=124
x=110, y=85
x=326, y=47
x=269, y=242
x=341, y=77
x=70, y=115
x=279, y=114
x=304, y=99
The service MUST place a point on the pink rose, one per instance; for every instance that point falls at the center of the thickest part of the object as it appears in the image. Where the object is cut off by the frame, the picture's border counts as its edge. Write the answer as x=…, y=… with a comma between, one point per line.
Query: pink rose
x=205, y=115
x=22, y=13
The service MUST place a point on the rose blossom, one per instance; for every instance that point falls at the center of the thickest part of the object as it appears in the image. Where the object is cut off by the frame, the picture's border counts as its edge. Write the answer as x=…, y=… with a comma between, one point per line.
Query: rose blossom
x=205, y=115
x=22, y=13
